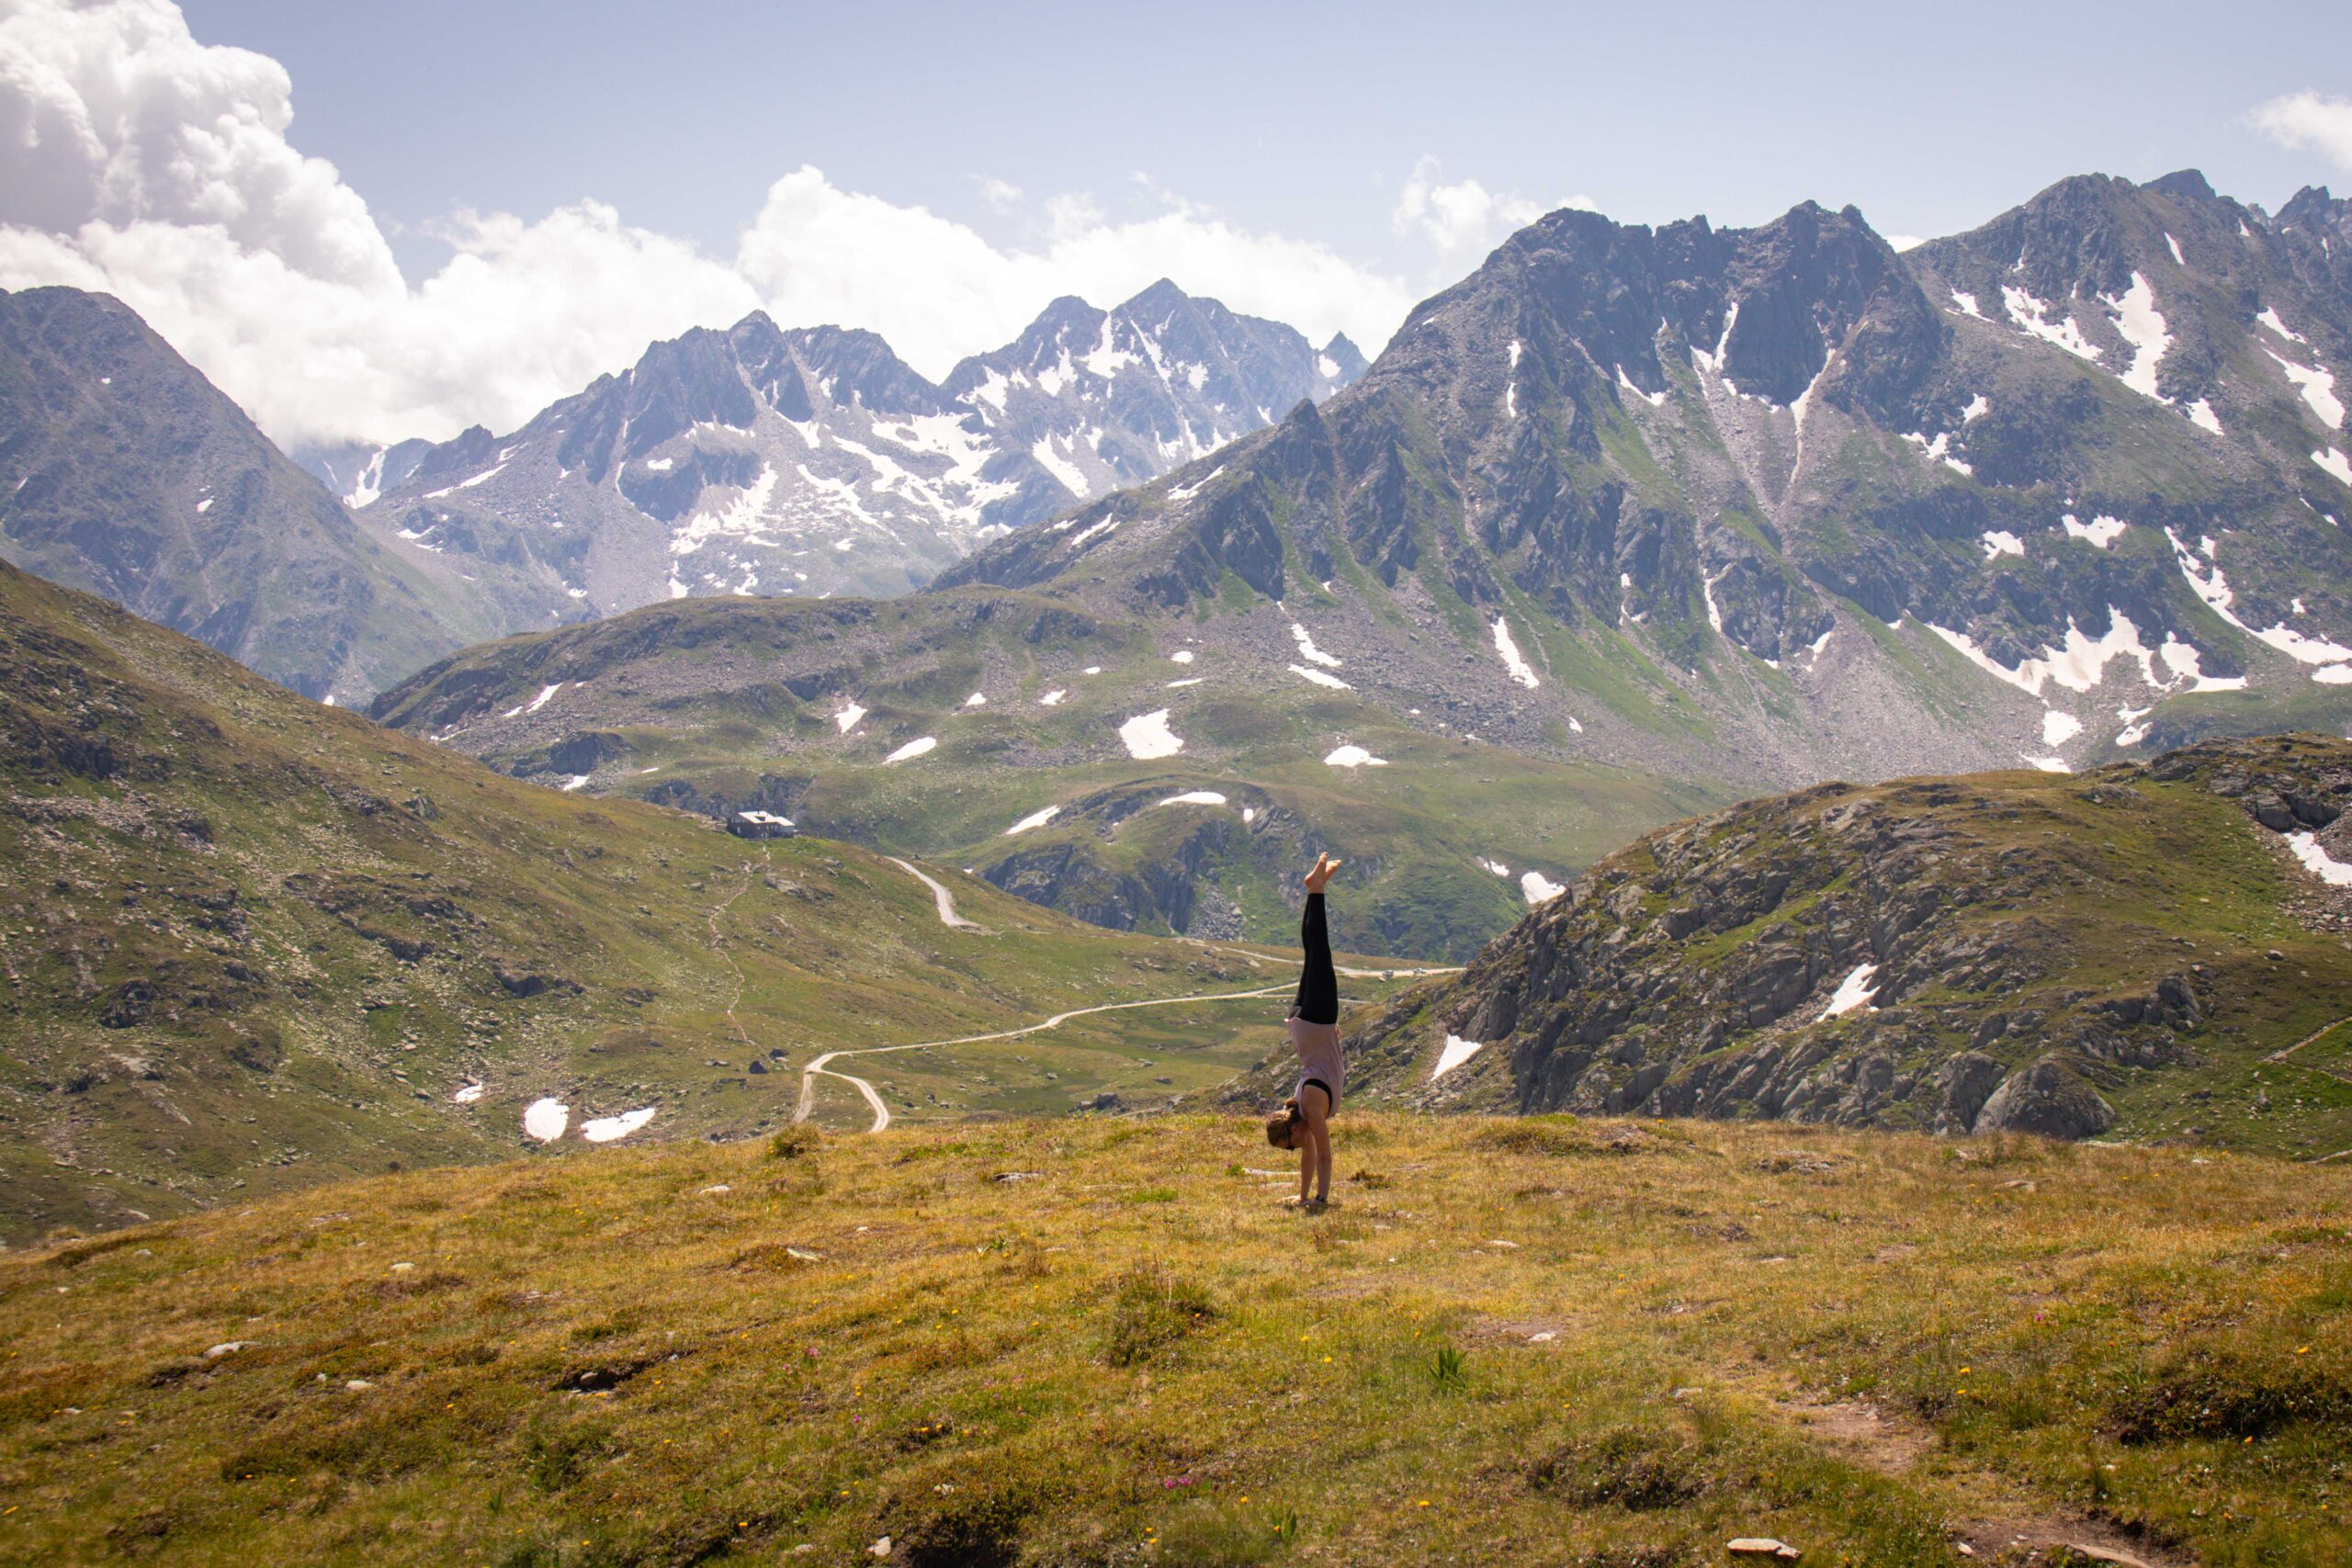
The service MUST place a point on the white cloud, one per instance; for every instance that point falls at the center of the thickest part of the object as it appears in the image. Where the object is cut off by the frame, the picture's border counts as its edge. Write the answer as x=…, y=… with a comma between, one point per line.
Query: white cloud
x=115, y=114
x=1905, y=242
x=937, y=290
x=1464, y=221
x=2306, y=120
x=999, y=196
x=157, y=168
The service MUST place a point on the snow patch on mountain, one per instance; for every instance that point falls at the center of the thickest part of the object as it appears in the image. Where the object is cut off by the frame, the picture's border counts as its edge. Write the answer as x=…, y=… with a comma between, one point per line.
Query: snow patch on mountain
x=2317, y=386
x=1513, y=661
x=1186, y=492
x=611, y=1129
x=2078, y=663
x=2269, y=318
x=2034, y=316
x=1624, y=383
x=1456, y=1052
x=2102, y=532
x=1148, y=737
x=2318, y=862
x=1308, y=649
x=1938, y=450
x=2142, y=326
x=1854, y=991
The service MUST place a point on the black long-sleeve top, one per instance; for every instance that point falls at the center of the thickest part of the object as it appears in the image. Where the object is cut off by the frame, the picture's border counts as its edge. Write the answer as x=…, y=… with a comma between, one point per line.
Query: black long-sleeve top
x=1319, y=985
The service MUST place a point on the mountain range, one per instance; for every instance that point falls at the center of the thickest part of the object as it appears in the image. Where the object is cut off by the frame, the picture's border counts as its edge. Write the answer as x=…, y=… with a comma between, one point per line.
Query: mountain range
x=752, y=460
x=1690, y=510
x=813, y=461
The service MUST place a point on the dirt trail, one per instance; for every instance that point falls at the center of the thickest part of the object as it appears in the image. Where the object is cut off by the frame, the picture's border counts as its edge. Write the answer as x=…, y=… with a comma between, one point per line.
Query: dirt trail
x=1998, y=1516
x=2314, y=1034
x=719, y=945
x=809, y=1089
x=939, y=895
x=1400, y=973
x=882, y=1113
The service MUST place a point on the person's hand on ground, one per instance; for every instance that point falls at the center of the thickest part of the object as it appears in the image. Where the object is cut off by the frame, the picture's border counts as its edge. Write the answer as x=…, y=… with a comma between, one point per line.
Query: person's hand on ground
x=1320, y=877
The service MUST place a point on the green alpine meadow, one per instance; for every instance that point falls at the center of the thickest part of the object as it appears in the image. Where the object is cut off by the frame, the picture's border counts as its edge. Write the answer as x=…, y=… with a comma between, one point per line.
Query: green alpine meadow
x=956, y=787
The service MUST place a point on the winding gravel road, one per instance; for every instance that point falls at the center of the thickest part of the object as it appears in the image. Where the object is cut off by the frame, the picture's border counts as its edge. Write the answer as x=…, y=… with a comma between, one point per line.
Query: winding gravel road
x=882, y=1113
x=939, y=895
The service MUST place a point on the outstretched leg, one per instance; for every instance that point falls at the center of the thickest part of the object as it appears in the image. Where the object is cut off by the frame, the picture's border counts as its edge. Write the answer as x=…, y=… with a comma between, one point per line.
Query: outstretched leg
x=1319, y=985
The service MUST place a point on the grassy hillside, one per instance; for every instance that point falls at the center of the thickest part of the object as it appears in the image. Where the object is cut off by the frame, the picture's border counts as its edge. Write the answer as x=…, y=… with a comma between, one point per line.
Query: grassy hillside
x=251, y=943
x=805, y=708
x=1604, y=1344
x=2137, y=952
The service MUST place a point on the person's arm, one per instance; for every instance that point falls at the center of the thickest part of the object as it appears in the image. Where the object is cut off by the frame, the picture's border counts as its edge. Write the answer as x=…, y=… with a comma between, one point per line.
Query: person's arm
x=1318, y=987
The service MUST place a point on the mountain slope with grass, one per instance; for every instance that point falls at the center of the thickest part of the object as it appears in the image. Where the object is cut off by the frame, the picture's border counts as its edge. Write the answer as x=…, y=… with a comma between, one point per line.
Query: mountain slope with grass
x=2148, y=952
x=123, y=471
x=1141, y=775
x=1596, y=1344
x=251, y=943
x=2052, y=490
x=1630, y=513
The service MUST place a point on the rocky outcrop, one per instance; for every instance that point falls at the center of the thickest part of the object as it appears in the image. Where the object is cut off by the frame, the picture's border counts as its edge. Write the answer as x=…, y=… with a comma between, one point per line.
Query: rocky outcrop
x=1912, y=955
x=2049, y=1098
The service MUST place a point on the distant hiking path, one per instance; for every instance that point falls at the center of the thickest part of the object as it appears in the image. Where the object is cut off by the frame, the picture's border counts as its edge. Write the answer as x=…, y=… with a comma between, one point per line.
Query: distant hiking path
x=939, y=895
x=882, y=1113
x=818, y=1066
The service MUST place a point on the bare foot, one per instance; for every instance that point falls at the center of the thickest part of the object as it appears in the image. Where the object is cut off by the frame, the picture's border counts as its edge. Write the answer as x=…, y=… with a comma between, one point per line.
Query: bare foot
x=1320, y=877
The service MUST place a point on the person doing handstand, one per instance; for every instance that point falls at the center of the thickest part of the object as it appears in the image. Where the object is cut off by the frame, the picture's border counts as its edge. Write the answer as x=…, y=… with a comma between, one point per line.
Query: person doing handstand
x=1304, y=1121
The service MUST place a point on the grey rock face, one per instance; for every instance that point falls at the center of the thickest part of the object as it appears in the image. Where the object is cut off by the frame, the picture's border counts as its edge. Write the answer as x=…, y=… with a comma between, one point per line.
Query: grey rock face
x=2076, y=464
x=2046, y=1098
x=1966, y=1081
x=809, y=462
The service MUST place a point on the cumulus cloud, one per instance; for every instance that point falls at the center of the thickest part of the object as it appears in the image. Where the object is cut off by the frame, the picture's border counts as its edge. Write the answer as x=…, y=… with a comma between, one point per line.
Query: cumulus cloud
x=1463, y=220
x=2302, y=121
x=938, y=290
x=150, y=165
x=114, y=114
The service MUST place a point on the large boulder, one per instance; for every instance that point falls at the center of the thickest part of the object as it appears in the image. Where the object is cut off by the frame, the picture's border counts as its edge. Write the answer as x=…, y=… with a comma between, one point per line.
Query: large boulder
x=1967, y=1082
x=2047, y=1098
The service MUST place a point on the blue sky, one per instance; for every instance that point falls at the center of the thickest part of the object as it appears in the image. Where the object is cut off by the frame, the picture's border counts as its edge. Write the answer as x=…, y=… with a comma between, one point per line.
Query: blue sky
x=1302, y=118
x=380, y=221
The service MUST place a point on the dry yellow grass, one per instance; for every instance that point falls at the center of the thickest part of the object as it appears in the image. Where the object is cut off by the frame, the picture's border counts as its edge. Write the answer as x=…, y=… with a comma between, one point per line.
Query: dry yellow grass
x=1106, y=1341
